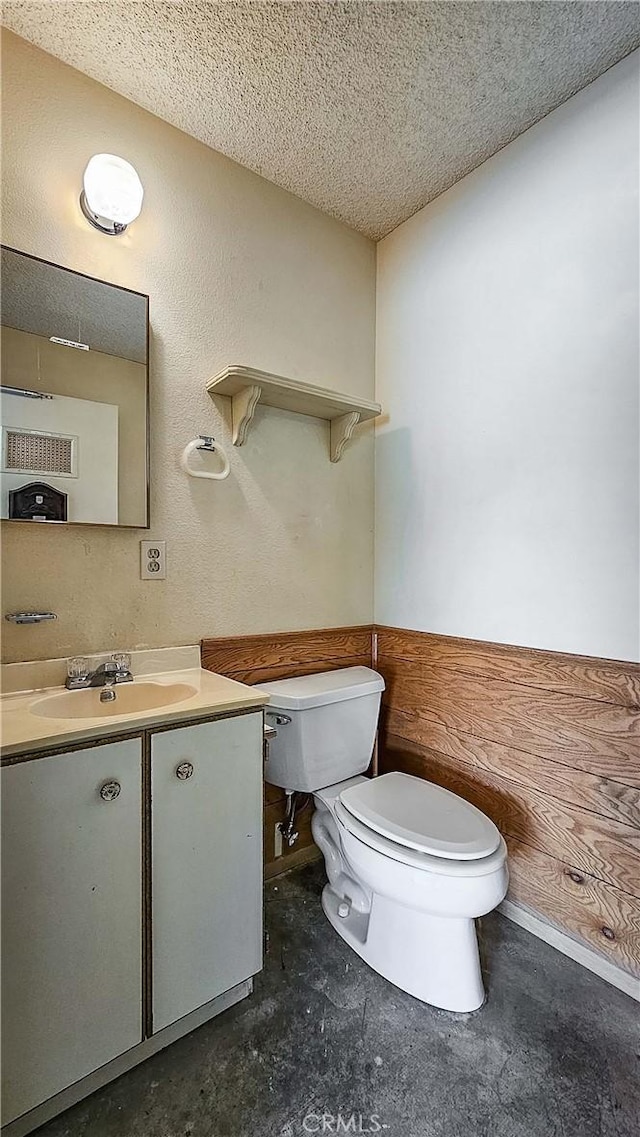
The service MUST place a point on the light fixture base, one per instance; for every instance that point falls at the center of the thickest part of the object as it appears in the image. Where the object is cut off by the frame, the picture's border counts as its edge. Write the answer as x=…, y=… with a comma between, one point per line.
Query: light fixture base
x=103, y=224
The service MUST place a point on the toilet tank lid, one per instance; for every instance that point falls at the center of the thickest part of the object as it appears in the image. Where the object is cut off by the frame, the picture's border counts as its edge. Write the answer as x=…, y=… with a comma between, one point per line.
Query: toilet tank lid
x=304, y=691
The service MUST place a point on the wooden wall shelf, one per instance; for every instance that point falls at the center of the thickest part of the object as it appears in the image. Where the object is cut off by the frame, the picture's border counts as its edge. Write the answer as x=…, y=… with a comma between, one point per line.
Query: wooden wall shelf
x=246, y=387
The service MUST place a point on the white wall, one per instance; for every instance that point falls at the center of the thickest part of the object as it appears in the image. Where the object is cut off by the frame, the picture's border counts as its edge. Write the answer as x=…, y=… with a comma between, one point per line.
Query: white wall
x=507, y=468
x=92, y=487
x=238, y=271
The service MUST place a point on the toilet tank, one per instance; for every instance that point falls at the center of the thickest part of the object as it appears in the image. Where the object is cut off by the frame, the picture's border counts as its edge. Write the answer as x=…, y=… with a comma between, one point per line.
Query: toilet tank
x=326, y=726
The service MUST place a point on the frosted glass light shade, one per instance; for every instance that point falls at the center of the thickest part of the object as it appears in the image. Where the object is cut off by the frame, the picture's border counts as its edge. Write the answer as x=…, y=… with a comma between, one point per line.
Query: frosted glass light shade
x=113, y=193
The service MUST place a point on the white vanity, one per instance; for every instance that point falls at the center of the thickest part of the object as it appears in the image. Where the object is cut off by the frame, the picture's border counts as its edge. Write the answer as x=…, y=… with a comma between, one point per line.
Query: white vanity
x=131, y=875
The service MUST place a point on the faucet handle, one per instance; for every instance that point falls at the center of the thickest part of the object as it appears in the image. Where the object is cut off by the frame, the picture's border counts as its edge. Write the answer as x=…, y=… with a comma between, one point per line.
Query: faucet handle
x=78, y=667
x=122, y=660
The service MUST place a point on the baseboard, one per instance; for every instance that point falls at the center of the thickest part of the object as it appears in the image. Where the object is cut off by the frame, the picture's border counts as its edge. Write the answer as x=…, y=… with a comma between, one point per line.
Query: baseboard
x=295, y=860
x=575, y=950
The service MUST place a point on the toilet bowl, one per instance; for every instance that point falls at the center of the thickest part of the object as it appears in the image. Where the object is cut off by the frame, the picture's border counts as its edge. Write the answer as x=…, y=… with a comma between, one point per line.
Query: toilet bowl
x=410, y=865
x=408, y=913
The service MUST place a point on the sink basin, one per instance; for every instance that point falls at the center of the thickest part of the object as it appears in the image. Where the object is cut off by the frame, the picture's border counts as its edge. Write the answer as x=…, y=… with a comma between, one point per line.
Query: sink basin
x=130, y=698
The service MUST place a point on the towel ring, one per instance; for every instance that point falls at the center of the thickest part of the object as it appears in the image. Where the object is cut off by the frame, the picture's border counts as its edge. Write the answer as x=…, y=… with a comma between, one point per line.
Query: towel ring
x=208, y=443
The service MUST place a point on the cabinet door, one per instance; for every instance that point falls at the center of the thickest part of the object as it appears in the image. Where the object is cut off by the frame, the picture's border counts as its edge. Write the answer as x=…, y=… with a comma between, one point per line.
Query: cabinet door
x=206, y=785
x=71, y=918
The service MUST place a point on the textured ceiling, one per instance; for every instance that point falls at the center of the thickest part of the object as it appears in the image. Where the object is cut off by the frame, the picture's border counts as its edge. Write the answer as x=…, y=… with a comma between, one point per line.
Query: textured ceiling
x=367, y=110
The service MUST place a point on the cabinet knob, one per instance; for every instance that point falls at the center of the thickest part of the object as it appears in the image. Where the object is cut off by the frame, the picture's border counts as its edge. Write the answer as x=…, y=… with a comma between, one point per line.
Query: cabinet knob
x=184, y=771
x=110, y=791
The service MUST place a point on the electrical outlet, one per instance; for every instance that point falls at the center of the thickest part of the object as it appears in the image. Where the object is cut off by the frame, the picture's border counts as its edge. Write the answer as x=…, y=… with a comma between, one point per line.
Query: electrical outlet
x=153, y=560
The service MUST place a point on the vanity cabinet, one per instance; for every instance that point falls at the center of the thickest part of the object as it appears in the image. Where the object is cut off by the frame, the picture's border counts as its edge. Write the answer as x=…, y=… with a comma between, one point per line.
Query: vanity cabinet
x=206, y=824
x=71, y=918
x=131, y=903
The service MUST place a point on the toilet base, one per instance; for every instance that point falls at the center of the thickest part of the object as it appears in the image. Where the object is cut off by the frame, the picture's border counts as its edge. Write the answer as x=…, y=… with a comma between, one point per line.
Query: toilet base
x=433, y=958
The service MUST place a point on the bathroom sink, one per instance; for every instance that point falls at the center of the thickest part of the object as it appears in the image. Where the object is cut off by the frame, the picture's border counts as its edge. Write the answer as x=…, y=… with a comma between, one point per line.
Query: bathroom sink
x=130, y=698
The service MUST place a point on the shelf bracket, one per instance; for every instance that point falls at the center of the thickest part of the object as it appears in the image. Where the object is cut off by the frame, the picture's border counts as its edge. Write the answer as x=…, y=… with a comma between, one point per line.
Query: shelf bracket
x=246, y=386
x=341, y=429
x=243, y=407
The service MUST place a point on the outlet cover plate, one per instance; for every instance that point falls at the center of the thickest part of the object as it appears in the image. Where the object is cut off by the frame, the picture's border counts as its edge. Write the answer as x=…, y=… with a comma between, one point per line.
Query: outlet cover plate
x=153, y=560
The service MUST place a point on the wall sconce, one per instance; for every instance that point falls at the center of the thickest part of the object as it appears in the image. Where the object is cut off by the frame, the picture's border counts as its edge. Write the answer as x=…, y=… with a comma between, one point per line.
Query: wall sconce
x=112, y=195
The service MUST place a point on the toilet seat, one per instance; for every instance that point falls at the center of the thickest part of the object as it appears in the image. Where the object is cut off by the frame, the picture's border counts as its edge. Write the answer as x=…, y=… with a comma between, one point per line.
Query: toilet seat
x=418, y=816
x=425, y=862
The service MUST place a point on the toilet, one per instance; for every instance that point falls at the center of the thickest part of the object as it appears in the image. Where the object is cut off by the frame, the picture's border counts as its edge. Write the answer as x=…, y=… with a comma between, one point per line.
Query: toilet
x=410, y=865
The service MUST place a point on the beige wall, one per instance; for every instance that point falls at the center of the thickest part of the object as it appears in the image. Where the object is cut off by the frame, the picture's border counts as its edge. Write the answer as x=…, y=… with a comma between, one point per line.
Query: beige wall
x=35, y=363
x=237, y=271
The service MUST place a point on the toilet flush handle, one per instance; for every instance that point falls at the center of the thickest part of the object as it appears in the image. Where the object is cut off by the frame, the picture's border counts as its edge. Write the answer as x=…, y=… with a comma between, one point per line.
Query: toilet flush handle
x=278, y=718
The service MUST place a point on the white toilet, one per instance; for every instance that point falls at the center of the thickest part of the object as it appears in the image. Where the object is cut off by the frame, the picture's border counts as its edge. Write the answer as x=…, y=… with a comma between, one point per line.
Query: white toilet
x=410, y=865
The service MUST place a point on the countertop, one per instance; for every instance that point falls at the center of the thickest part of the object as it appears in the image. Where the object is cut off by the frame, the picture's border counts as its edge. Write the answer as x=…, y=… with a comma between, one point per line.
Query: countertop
x=24, y=732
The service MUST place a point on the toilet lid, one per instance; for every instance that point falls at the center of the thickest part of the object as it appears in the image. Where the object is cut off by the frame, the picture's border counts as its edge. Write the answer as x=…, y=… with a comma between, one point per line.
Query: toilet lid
x=422, y=816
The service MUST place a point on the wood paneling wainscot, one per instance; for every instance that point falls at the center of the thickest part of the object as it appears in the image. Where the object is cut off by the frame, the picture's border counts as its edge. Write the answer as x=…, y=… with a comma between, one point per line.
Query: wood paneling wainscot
x=259, y=659
x=548, y=745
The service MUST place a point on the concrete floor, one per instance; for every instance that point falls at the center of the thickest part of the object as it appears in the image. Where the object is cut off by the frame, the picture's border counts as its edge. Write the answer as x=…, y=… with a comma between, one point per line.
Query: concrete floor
x=553, y=1052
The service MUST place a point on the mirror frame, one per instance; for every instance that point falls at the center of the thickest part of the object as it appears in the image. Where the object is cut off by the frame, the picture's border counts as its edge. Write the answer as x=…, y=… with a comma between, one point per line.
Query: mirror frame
x=142, y=296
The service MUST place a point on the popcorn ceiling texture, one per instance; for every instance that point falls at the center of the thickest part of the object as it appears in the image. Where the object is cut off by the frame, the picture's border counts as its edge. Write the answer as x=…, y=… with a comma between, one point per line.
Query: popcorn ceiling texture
x=366, y=110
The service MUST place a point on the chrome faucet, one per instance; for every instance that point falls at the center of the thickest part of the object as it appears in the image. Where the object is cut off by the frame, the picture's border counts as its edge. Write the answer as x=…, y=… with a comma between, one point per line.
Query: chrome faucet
x=107, y=674
x=108, y=694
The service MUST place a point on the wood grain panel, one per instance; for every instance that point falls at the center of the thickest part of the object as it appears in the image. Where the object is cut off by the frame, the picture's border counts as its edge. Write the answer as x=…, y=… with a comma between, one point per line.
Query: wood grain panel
x=260, y=659
x=599, y=846
x=273, y=793
x=304, y=849
x=285, y=650
x=590, y=735
x=301, y=855
x=581, y=676
x=257, y=675
x=596, y=913
x=544, y=775
x=546, y=744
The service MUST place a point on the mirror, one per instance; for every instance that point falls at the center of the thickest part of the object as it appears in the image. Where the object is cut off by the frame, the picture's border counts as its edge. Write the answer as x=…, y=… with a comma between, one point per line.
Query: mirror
x=74, y=400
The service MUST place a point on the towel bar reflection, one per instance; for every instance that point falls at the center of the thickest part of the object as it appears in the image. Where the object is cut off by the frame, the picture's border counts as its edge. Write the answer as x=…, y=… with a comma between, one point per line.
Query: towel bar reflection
x=208, y=443
x=29, y=617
